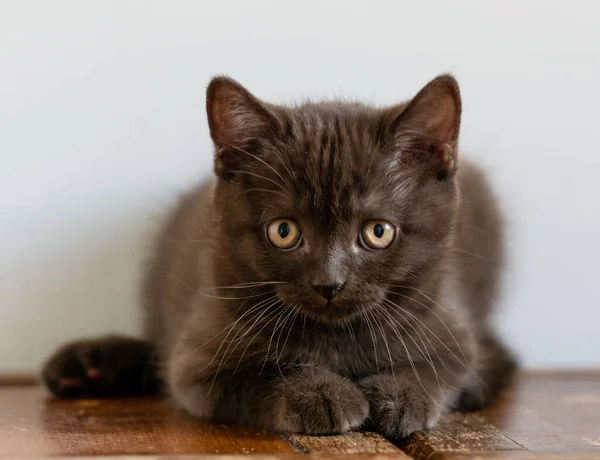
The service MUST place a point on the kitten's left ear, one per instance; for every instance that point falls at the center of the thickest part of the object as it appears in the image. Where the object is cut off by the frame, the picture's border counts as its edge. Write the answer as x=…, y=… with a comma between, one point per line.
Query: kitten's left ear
x=427, y=128
x=236, y=118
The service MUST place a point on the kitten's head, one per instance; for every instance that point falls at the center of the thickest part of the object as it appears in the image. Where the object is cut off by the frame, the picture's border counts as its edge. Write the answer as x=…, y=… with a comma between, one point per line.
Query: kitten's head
x=341, y=201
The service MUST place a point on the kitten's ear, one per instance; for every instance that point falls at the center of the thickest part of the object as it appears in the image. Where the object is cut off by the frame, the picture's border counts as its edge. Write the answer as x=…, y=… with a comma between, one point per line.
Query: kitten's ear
x=426, y=129
x=235, y=118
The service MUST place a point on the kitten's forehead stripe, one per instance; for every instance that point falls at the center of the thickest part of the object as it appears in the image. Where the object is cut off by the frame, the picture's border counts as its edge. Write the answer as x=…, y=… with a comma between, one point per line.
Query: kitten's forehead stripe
x=331, y=148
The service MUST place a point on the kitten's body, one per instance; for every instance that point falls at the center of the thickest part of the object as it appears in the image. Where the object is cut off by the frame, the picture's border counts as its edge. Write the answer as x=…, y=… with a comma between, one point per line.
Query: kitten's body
x=240, y=338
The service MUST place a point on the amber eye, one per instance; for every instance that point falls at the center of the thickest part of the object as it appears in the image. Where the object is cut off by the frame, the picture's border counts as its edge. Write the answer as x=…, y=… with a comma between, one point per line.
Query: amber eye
x=377, y=234
x=284, y=234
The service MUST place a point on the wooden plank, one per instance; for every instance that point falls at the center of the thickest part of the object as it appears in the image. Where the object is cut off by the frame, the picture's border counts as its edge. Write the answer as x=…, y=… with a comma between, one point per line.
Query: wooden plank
x=546, y=415
x=557, y=412
x=32, y=425
x=459, y=433
x=520, y=455
x=296, y=456
x=350, y=444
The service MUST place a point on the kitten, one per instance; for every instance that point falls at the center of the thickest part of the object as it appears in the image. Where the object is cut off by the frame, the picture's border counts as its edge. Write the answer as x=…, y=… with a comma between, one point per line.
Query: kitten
x=338, y=272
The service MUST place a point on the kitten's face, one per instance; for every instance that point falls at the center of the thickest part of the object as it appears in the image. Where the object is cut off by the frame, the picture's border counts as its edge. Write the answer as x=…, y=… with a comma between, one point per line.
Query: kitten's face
x=327, y=203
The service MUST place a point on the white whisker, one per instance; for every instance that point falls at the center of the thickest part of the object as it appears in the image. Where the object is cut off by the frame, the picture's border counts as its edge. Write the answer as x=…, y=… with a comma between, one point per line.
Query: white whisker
x=261, y=177
x=278, y=310
x=413, y=365
x=465, y=361
x=231, y=327
x=372, y=332
x=385, y=341
x=262, y=161
x=424, y=351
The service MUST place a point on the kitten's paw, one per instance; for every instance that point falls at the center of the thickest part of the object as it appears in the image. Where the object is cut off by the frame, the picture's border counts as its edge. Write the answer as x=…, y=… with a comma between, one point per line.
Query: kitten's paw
x=100, y=367
x=399, y=407
x=321, y=403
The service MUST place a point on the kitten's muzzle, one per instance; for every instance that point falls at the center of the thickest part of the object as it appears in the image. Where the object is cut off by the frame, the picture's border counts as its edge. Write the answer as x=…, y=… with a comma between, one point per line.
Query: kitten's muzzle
x=328, y=291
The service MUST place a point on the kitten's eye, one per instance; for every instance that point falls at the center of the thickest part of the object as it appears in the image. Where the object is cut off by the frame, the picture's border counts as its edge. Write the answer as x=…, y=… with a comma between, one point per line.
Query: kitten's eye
x=377, y=234
x=284, y=234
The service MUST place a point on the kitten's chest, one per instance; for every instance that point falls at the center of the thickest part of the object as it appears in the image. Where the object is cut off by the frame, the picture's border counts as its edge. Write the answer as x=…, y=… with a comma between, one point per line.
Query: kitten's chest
x=348, y=351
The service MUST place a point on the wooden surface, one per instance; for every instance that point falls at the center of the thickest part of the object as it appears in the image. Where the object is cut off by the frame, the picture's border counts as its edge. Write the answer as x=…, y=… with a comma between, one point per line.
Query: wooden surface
x=544, y=416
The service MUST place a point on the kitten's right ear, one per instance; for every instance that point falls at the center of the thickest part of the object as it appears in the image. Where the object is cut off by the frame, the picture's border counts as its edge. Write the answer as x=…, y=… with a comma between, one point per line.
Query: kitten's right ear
x=426, y=129
x=236, y=118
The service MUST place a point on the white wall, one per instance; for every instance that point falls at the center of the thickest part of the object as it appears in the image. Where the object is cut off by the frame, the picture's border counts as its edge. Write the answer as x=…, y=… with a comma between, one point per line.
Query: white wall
x=102, y=122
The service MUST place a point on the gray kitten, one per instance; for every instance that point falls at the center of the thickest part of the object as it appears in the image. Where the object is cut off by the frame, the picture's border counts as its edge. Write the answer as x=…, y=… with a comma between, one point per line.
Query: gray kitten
x=338, y=272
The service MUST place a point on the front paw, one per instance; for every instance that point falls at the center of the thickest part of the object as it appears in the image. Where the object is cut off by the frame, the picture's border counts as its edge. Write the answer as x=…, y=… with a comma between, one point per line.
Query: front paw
x=320, y=402
x=400, y=406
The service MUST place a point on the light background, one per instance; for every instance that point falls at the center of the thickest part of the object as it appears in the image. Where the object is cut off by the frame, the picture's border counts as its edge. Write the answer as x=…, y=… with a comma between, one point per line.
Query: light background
x=102, y=123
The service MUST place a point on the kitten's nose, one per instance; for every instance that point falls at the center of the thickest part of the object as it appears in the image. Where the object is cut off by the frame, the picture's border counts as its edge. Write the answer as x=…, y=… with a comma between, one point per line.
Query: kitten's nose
x=329, y=291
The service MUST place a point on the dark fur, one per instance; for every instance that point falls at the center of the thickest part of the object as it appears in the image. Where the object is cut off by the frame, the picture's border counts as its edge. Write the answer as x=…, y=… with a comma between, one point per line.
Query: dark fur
x=407, y=336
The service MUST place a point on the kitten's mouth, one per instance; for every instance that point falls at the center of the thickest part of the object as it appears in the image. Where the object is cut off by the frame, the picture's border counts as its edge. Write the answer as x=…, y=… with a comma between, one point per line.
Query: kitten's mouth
x=333, y=311
x=329, y=311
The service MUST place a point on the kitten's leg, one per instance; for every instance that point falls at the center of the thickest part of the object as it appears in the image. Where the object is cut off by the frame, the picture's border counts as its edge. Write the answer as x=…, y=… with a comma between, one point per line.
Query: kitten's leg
x=400, y=403
x=492, y=371
x=106, y=366
x=302, y=400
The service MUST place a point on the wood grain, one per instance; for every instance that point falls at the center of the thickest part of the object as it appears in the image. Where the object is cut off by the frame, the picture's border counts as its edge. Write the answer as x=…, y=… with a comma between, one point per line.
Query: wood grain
x=350, y=444
x=459, y=433
x=298, y=456
x=520, y=455
x=543, y=416
x=32, y=424
x=547, y=416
